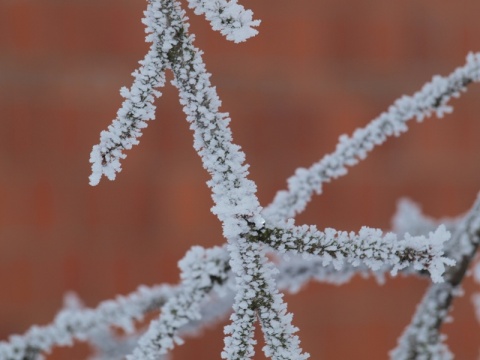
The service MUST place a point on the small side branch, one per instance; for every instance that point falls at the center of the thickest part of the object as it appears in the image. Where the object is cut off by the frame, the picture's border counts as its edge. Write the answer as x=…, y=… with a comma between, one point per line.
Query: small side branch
x=202, y=270
x=231, y=19
x=369, y=247
x=422, y=338
x=79, y=324
x=137, y=108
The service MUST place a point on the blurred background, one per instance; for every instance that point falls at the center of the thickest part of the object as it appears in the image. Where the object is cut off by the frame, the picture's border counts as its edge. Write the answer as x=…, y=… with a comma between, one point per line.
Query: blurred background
x=318, y=69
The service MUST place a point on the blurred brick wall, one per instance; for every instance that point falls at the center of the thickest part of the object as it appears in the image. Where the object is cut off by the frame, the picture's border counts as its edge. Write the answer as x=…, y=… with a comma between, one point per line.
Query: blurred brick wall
x=318, y=69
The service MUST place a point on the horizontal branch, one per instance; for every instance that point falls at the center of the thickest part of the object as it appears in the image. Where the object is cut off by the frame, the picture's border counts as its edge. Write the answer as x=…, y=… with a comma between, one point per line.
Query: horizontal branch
x=295, y=270
x=369, y=246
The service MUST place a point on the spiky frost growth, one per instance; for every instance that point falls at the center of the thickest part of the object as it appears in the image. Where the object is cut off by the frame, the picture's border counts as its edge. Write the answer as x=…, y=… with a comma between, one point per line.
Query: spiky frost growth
x=78, y=324
x=201, y=271
x=369, y=247
x=230, y=18
x=257, y=295
x=104, y=343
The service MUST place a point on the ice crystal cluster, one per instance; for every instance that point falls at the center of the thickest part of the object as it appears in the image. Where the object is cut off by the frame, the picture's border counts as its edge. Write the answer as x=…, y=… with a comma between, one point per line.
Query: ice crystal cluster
x=240, y=275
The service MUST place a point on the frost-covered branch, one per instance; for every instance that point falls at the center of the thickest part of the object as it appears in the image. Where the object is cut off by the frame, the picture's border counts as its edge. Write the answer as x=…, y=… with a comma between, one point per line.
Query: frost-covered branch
x=369, y=247
x=235, y=201
x=201, y=271
x=432, y=98
x=422, y=338
x=296, y=270
x=137, y=107
x=78, y=324
x=215, y=308
x=230, y=18
x=236, y=204
x=212, y=271
x=257, y=295
x=105, y=343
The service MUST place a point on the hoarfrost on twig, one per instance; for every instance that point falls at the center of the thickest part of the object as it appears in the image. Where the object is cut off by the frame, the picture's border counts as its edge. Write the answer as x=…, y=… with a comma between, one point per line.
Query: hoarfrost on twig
x=237, y=207
x=422, y=338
